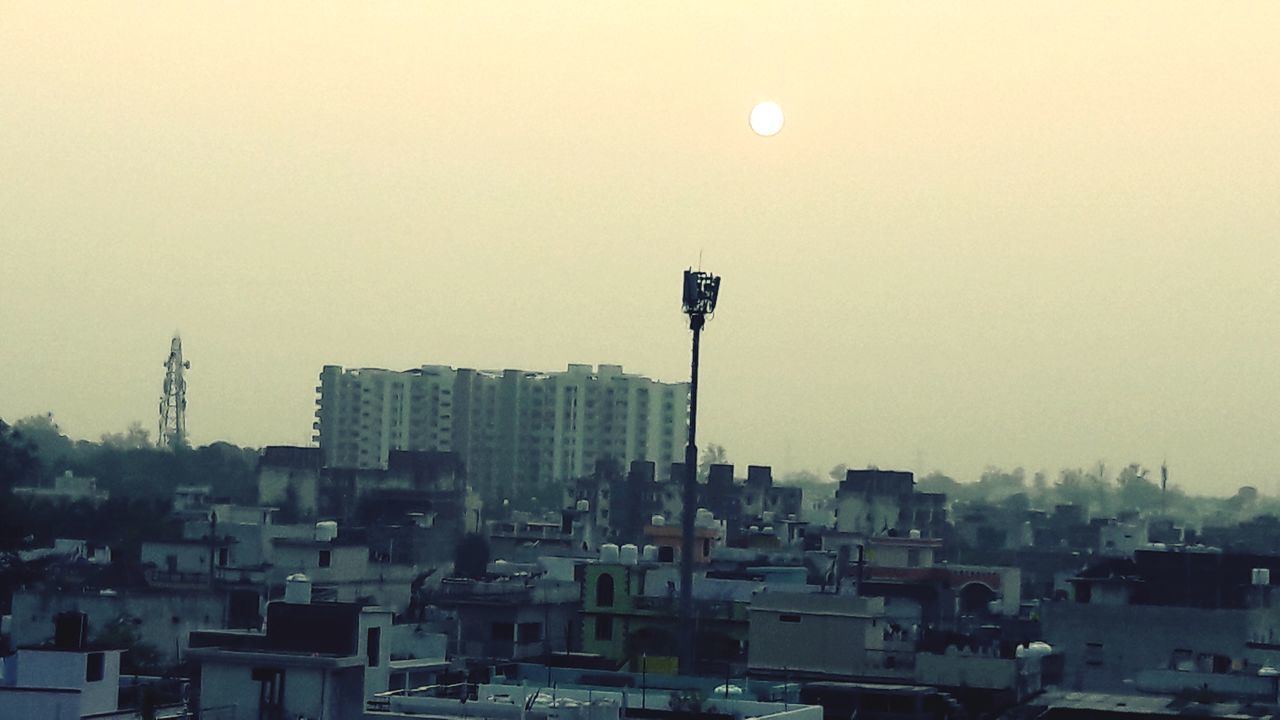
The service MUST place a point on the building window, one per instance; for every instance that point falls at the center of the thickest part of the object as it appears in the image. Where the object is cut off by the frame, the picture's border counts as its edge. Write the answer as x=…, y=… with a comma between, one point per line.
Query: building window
x=270, y=688
x=604, y=591
x=789, y=618
x=373, y=646
x=530, y=632
x=94, y=667
x=503, y=632
x=604, y=627
x=326, y=558
x=1093, y=654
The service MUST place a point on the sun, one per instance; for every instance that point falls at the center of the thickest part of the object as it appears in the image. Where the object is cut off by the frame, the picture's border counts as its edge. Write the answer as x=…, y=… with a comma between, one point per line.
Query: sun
x=766, y=118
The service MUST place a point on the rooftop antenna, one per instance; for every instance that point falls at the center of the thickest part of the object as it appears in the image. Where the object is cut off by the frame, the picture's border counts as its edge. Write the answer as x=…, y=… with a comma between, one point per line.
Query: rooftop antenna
x=1164, y=482
x=701, y=290
x=173, y=401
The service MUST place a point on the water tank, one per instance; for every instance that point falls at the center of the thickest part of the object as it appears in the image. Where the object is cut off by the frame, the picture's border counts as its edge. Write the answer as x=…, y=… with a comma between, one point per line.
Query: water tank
x=704, y=518
x=326, y=531
x=609, y=553
x=914, y=534
x=297, y=589
x=766, y=530
x=767, y=517
x=629, y=554
x=1038, y=649
x=583, y=506
x=657, y=521
x=1261, y=576
x=650, y=553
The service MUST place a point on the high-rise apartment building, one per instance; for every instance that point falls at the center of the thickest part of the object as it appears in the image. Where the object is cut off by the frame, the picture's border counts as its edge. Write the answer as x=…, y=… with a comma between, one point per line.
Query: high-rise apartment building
x=364, y=414
x=514, y=430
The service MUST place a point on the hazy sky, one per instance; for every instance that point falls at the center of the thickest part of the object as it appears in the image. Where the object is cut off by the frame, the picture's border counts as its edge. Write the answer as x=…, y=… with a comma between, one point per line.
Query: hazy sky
x=1036, y=234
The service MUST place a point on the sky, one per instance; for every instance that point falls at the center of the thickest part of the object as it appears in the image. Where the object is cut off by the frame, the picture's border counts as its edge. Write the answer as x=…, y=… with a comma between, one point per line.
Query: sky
x=990, y=233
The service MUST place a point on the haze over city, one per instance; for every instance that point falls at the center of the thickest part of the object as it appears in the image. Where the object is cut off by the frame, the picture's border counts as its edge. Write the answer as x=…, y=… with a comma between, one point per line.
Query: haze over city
x=988, y=234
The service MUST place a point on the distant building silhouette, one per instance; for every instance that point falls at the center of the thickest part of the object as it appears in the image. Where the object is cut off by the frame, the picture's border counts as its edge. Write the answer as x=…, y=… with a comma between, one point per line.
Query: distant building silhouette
x=514, y=429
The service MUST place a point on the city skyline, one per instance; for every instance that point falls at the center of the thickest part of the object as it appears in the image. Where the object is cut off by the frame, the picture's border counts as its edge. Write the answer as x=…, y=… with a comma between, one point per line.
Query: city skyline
x=990, y=234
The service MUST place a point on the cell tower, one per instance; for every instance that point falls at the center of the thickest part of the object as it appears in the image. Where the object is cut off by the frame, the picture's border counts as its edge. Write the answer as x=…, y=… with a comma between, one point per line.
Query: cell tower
x=173, y=403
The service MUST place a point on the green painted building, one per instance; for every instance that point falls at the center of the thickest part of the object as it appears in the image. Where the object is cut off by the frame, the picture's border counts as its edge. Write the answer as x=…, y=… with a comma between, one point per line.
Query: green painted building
x=624, y=620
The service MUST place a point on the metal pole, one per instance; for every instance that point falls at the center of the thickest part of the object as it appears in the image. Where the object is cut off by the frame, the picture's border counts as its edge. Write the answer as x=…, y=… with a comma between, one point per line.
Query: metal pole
x=687, y=659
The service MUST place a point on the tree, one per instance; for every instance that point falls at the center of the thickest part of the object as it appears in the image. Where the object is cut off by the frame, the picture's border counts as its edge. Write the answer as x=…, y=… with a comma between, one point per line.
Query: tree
x=996, y=484
x=139, y=657
x=51, y=445
x=712, y=454
x=1135, y=490
x=936, y=482
x=134, y=438
x=18, y=463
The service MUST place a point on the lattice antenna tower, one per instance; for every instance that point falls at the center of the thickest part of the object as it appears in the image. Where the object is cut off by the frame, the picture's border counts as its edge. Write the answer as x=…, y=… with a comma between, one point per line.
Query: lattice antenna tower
x=173, y=402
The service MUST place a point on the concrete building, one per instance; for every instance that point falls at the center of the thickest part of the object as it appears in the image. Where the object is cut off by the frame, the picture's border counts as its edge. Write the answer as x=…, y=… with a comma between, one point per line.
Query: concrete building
x=244, y=548
x=416, y=507
x=65, y=678
x=160, y=619
x=538, y=692
x=877, y=502
x=1123, y=538
x=1166, y=610
x=67, y=488
x=513, y=429
x=363, y=414
x=630, y=610
x=315, y=660
x=506, y=618
x=793, y=634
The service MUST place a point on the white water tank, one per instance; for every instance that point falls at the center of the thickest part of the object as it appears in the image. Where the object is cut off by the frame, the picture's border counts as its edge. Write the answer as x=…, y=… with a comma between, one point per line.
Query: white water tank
x=704, y=518
x=583, y=506
x=629, y=554
x=297, y=589
x=914, y=534
x=657, y=521
x=1261, y=576
x=650, y=553
x=609, y=553
x=326, y=531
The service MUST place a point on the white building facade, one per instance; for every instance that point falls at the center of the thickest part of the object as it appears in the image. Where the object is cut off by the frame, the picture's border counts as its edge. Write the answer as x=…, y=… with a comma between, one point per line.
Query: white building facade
x=513, y=429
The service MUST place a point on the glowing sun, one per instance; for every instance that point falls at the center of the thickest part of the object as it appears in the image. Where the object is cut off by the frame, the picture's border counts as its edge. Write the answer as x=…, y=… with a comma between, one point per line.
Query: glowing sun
x=766, y=118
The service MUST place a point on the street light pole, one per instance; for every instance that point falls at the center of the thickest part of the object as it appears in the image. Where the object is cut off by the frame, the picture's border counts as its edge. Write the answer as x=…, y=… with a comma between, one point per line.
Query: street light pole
x=700, y=292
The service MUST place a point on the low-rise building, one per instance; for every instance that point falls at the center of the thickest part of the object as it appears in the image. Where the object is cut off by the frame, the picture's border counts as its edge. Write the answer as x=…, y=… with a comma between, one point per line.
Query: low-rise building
x=68, y=677
x=314, y=660
x=630, y=609
x=67, y=488
x=505, y=618
x=792, y=634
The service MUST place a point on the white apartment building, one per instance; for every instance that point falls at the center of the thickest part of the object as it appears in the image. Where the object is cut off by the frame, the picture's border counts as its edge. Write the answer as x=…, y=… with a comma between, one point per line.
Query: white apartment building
x=513, y=429
x=362, y=414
